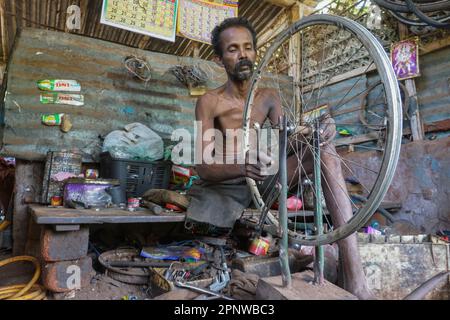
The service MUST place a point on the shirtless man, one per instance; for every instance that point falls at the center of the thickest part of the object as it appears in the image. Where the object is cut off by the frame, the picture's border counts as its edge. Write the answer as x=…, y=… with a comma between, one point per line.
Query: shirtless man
x=223, y=194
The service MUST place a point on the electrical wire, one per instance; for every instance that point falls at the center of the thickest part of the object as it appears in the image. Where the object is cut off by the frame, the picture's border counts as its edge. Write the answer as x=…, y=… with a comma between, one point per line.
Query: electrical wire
x=139, y=68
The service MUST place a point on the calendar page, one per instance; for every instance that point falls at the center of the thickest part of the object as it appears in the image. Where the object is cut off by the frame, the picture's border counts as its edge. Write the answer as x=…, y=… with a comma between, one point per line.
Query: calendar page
x=197, y=18
x=154, y=18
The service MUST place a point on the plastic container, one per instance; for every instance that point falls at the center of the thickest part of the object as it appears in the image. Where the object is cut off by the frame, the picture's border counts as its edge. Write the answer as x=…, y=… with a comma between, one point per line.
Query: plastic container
x=89, y=192
x=135, y=177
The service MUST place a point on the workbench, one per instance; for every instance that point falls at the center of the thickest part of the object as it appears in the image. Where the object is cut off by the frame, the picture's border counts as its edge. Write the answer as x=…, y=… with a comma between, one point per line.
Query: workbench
x=63, y=218
x=63, y=239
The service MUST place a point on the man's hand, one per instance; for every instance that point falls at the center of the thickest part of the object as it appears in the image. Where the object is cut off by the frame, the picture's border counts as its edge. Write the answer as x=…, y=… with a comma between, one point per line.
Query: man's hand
x=327, y=129
x=256, y=165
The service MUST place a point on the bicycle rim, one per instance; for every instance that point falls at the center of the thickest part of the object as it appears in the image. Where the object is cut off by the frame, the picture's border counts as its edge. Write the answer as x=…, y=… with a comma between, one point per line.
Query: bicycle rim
x=393, y=132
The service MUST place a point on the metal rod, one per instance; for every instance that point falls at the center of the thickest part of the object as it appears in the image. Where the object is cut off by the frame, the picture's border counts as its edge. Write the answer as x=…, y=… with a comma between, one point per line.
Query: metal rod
x=284, y=256
x=202, y=290
x=319, y=254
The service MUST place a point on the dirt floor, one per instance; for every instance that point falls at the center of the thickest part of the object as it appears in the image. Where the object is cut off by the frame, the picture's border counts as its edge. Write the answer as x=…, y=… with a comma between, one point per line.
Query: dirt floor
x=17, y=273
x=105, y=288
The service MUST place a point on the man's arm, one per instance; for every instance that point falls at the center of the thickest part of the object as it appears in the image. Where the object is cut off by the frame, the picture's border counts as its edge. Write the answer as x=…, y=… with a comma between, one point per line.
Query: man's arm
x=204, y=113
x=275, y=111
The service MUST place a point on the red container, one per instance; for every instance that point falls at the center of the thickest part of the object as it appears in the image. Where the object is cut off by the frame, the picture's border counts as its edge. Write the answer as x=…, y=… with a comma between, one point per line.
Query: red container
x=133, y=203
x=259, y=247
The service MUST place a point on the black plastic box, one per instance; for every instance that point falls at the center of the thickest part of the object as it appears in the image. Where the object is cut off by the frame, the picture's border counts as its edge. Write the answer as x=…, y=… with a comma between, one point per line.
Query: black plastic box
x=136, y=177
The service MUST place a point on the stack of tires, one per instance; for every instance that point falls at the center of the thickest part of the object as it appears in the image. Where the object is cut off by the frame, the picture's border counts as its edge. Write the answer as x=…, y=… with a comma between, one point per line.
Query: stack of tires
x=435, y=13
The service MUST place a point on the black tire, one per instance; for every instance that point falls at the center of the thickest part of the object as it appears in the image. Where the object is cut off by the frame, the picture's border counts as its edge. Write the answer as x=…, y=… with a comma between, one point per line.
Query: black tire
x=422, y=16
x=363, y=107
x=416, y=23
x=429, y=7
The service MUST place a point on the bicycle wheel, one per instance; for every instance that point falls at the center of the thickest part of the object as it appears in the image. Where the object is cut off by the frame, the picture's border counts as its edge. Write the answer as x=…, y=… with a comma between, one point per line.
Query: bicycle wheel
x=374, y=115
x=425, y=7
x=337, y=60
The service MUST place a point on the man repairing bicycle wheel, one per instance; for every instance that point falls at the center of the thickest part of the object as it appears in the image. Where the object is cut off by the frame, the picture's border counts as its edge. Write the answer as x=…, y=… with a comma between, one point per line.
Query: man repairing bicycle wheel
x=218, y=201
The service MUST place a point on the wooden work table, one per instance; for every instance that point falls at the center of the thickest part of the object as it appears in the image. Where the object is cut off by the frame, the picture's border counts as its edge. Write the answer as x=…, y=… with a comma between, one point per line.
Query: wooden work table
x=65, y=216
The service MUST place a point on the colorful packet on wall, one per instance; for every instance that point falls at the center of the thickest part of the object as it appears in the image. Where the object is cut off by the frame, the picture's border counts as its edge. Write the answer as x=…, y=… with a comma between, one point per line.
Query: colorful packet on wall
x=59, y=85
x=62, y=98
x=52, y=119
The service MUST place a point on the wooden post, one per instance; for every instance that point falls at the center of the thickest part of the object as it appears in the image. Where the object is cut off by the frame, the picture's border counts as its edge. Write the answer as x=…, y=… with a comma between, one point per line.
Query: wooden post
x=143, y=43
x=28, y=189
x=4, y=33
x=416, y=124
x=297, y=12
x=196, y=50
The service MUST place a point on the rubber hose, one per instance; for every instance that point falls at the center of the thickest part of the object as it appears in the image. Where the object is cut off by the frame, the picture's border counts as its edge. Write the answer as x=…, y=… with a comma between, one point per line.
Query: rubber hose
x=29, y=291
x=5, y=224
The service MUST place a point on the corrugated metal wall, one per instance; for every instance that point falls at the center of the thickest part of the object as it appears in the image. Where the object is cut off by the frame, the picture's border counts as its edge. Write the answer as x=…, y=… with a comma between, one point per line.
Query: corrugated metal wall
x=113, y=97
x=433, y=91
x=433, y=86
x=52, y=15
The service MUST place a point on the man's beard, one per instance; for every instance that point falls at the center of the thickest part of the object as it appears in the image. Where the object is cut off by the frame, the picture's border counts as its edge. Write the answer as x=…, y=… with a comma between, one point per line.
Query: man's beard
x=241, y=75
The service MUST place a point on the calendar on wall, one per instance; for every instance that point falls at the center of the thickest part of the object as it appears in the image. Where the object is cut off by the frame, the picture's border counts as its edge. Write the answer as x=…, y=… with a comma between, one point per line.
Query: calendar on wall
x=154, y=18
x=197, y=18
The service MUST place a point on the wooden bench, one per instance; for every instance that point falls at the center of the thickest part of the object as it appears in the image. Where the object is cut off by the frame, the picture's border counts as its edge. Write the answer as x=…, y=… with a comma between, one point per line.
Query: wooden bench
x=61, y=239
x=64, y=219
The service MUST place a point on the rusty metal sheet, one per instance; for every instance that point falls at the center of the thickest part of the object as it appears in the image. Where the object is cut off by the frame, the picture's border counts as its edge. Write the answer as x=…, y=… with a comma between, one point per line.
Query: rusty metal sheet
x=433, y=86
x=394, y=270
x=113, y=97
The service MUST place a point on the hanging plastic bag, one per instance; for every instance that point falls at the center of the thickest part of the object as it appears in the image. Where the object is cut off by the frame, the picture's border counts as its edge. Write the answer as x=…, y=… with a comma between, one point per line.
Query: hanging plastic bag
x=135, y=142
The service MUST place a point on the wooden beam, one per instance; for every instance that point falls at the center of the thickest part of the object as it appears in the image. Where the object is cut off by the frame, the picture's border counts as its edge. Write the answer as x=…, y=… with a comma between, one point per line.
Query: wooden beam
x=442, y=125
x=4, y=33
x=415, y=119
x=341, y=77
x=277, y=25
x=435, y=45
x=196, y=50
x=297, y=12
x=282, y=3
x=28, y=189
x=2, y=72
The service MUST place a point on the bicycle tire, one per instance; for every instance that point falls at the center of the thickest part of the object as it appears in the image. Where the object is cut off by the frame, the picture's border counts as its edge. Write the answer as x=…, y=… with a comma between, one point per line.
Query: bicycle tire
x=422, y=16
x=393, y=134
x=429, y=7
x=415, y=23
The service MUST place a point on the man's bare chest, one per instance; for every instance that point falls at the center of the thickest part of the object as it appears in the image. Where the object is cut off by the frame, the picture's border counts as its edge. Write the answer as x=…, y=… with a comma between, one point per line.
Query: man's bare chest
x=229, y=115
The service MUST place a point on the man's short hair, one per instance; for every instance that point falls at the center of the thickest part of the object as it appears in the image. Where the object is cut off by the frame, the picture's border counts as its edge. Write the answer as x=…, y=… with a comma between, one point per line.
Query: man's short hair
x=228, y=23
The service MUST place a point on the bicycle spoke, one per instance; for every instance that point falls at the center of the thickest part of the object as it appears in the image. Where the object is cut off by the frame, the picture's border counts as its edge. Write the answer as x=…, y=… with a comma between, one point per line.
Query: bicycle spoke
x=318, y=73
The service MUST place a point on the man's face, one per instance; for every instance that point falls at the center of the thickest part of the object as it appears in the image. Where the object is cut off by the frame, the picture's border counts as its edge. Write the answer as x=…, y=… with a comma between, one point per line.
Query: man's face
x=239, y=54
